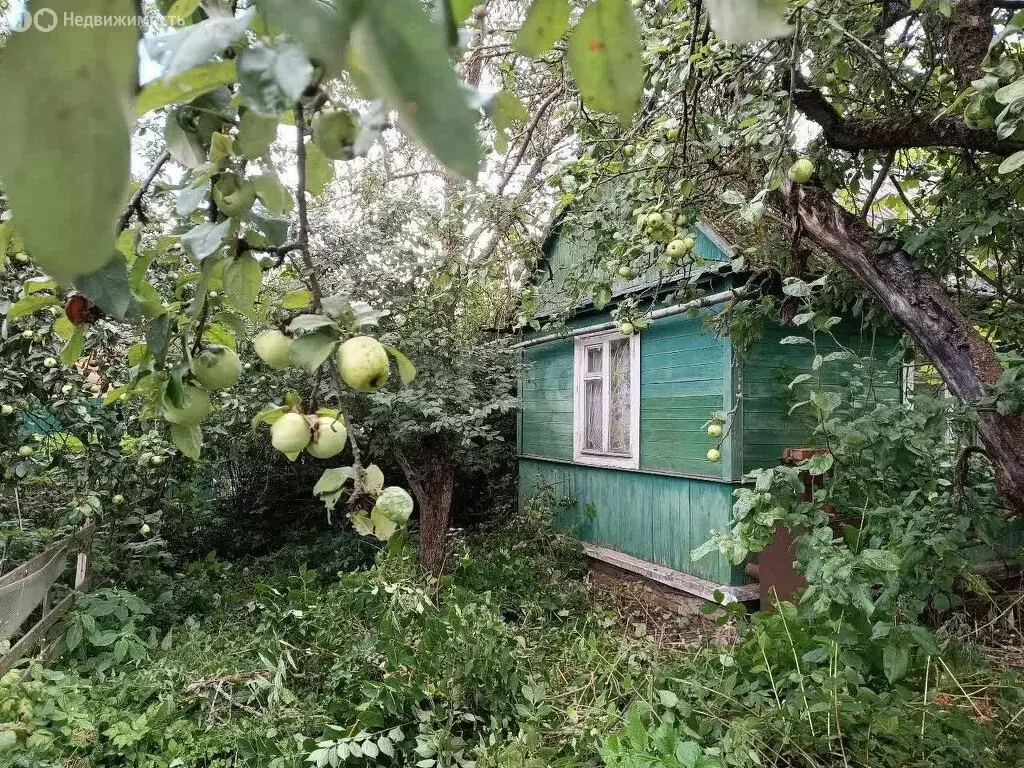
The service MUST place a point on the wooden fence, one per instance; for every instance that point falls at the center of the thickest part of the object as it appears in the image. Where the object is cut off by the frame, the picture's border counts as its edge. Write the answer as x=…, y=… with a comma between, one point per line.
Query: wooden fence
x=81, y=542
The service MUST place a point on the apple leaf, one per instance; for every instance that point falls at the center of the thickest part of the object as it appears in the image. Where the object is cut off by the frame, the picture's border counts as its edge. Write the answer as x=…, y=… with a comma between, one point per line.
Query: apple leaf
x=186, y=86
x=183, y=144
x=404, y=56
x=183, y=49
x=73, y=347
x=319, y=170
x=605, y=56
x=256, y=133
x=189, y=440
x=190, y=198
x=373, y=479
x=310, y=350
x=333, y=480
x=299, y=299
x=181, y=11
x=108, y=287
x=309, y=323
x=243, y=278
x=64, y=136
x=205, y=239
x=383, y=527
x=273, y=194
x=29, y=305
x=269, y=415
x=272, y=79
x=546, y=21
x=322, y=28
x=406, y=370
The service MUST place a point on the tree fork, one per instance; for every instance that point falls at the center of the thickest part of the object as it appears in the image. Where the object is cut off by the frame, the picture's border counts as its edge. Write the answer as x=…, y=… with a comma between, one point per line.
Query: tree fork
x=917, y=301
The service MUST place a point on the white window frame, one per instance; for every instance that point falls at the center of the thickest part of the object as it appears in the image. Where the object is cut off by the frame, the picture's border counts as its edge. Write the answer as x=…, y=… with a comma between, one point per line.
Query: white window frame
x=580, y=375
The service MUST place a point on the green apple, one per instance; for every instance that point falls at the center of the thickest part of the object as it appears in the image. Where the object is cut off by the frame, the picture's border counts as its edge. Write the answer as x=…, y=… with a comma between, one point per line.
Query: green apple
x=232, y=195
x=156, y=461
x=627, y=329
x=802, y=170
x=715, y=430
x=117, y=500
x=676, y=248
x=145, y=529
x=714, y=455
x=689, y=243
x=363, y=363
x=217, y=367
x=672, y=134
x=26, y=451
x=628, y=150
x=67, y=389
x=290, y=433
x=328, y=438
x=27, y=334
x=274, y=348
x=21, y=258
x=6, y=409
x=625, y=272
x=193, y=411
x=50, y=362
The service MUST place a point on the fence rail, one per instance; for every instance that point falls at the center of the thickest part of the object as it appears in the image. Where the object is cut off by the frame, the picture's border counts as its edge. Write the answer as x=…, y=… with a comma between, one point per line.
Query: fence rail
x=41, y=573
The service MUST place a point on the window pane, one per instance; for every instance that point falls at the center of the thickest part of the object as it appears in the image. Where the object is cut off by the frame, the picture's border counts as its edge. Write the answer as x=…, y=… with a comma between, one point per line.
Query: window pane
x=593, y=424
x=619, y=396
x=593, y=359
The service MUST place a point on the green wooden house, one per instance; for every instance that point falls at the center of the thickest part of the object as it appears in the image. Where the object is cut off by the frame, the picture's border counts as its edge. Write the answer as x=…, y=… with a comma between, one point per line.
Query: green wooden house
x=618, y=423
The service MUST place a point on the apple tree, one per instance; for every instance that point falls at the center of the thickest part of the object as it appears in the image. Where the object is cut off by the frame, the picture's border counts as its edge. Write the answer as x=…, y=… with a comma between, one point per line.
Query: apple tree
x=254, y=107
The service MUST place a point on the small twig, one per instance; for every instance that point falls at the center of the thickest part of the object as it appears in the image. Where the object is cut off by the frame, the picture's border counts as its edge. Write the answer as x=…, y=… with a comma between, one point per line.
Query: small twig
x=883, y=172
x=135, y=202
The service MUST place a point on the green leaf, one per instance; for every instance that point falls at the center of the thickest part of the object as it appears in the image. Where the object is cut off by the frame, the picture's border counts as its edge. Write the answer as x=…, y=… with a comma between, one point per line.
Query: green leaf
x=73, y=347
x=273, y=79
x=310, y=350
x=604, y=52
x=924, y=638
x=186, y=86
x=383, y=526
x=820, y=463
x=322, y=28
x=190, y=198
x=243, y=278
x=189, y=440
x=895, y=659
x=508, y=111
x=181, y=11
x=546, y=21
x=1012, y=163
x=405, y=58
x=272, y=230
x=333, y=480
x=273, y=194
x=37, y=284
x=406, y=370
x=299, y=299
x=880, y=559
x=795, y=340
x=687, y=753
x=319, y=170
x=108, y=287
x=158, y=333
x=256, y=133
x=743, y=21
x=184, y=145
x=205, y=239
x=373, y=479
x=1010, y=93
x=460, y=9
x=64, y=136
x=183, y=49
x=218, y=334
x=309, y=322
x=29, y=305
x=335, y=132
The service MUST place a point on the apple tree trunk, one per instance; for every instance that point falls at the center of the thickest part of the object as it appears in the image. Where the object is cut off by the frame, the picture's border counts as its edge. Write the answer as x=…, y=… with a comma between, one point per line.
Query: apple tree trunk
x=432, y=483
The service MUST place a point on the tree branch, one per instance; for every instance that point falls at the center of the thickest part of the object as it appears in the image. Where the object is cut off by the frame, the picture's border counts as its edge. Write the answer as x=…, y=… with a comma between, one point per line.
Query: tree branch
x=915, y=299
x=891, y=133
x=135, y=202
